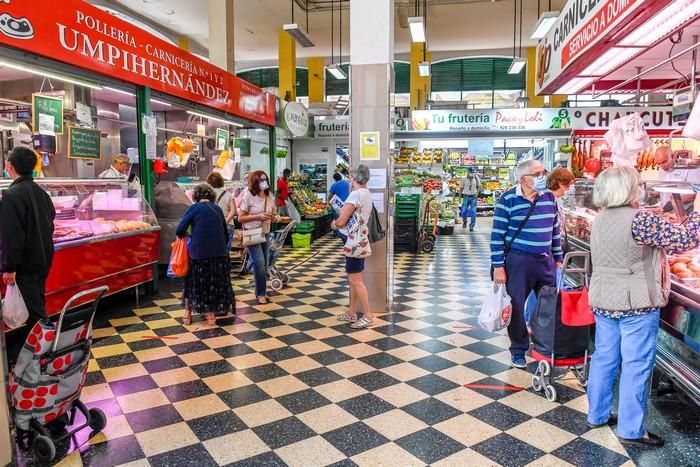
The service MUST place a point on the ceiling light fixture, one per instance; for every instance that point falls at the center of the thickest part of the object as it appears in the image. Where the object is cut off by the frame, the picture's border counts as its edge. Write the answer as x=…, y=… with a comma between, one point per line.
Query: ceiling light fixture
x=424, y=69
x=216, y=119
x=610, y=60
x=417, y=28
x=299, y=35
x=544, y=24
x=34, y=71
x=337, y=72
x=517, y=65
x=675, y=15
x=131, y=94
x=575, y=85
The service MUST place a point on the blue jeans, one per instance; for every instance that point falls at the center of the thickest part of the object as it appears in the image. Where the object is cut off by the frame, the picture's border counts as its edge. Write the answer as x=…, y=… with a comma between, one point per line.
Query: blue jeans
x=630, y=342
x=469, y=203
x=258, y=255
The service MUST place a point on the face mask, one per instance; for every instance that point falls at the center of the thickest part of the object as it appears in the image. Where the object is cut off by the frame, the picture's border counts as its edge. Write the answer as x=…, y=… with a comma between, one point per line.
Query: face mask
x=540, y=183
x=264, y=186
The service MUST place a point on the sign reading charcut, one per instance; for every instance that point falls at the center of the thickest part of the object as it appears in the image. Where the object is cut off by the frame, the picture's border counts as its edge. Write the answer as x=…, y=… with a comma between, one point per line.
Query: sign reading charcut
x=82, y=35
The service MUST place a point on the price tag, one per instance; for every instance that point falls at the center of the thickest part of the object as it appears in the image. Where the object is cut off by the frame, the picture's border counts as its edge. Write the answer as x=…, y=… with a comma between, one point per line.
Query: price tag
x=46, y=124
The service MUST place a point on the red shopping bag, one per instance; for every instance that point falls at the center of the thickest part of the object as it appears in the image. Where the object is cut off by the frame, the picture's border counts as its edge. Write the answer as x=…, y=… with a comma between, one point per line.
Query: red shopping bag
x=575, y=309
x=179, y=258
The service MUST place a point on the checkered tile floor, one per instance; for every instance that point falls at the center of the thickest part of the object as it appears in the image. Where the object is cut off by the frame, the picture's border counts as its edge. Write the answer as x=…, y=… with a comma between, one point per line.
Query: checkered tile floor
x=286, y=384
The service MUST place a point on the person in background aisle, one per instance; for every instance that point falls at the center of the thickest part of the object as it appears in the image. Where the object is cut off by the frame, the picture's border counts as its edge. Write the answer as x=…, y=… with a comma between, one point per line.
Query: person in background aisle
x=207, y=287
x=525, y=247
x=629, y=285
x=119, y=168
x=359, y=202
x=469, y=190
x=339, y=188
x=246, y=181
x=26, y=234
x=257, y=209
x=558, y=182
x=283, y=193
x=224, y=199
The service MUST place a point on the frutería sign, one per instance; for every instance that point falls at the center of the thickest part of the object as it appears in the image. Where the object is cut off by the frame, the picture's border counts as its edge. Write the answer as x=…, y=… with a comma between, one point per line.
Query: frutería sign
x=82, y=35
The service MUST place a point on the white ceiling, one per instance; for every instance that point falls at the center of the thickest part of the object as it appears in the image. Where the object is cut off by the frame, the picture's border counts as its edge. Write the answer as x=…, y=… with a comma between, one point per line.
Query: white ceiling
x=453, y=25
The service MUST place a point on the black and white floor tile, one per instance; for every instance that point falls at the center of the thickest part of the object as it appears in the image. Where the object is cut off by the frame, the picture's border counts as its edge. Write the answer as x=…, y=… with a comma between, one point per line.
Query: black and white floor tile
x=287, y=384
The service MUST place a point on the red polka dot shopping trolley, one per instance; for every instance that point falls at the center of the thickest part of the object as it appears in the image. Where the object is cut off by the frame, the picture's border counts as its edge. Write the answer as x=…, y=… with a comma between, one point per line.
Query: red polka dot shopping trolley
x=49, y=375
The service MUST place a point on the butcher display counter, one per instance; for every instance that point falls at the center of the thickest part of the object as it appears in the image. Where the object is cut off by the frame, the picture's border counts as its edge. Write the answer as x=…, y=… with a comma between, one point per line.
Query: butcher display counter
x=678, y=347
x=104, y=234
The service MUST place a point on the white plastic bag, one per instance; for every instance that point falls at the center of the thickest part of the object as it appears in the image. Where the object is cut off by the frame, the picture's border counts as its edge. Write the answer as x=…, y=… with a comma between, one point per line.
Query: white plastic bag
x=14, y=311
x=496, y=311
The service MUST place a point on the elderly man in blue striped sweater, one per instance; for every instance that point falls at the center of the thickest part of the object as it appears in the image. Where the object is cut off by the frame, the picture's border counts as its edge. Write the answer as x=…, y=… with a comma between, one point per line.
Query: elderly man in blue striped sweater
x=525, y=247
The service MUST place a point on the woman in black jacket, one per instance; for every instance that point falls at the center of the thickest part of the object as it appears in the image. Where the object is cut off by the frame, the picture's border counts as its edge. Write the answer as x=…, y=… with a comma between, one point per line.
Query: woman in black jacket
x=208, y=284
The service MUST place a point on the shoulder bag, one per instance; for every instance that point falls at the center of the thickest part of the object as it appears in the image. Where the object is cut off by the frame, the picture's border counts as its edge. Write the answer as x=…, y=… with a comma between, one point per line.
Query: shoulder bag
x=375, y=227
x=255, y=236
x=517, y=232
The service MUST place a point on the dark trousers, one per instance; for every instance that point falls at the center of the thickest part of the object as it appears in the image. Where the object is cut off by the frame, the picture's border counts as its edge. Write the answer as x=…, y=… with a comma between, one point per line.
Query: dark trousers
x=525, y=273
x=33, y=290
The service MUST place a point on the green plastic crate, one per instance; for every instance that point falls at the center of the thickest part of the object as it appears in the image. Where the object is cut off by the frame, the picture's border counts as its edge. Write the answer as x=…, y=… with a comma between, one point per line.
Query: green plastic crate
x=305, y=227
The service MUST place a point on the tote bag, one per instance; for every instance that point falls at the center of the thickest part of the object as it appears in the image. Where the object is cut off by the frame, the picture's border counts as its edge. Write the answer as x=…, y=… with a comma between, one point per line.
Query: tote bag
x=358, y=244
x=254, y=236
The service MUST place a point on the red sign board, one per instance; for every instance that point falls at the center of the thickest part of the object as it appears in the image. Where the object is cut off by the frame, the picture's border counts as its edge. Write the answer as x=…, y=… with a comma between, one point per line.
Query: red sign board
x=82, y=35
x=604, y=18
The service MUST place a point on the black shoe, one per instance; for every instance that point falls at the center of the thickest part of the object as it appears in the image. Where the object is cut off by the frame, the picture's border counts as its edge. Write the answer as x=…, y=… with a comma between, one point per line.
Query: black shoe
x=651, y=440
x=611, y=422
x=471, y=229
x=464, y=226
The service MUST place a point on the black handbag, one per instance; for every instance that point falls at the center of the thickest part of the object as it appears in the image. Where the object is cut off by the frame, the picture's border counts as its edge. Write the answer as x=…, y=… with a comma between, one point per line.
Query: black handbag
x=376, y=231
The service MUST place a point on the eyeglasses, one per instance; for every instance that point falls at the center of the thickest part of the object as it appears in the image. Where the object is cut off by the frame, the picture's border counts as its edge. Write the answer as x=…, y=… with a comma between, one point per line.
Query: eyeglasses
x=540, y=173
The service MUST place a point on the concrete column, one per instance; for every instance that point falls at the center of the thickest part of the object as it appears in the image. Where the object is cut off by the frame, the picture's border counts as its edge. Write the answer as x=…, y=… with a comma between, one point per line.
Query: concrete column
x=530, y=77
x=317, y=79
x=287, y=67
x=420, y=85
x=221, y=50
x=371, y=85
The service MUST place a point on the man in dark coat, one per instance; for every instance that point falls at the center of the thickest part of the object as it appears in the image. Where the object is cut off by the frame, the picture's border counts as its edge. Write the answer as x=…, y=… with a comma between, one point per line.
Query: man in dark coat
x=26, y=233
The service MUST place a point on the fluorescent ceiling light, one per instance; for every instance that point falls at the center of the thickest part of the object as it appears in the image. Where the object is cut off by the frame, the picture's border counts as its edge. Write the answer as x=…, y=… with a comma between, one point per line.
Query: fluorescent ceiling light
x=575, y=85
x=216, y=119
x=517, y=65
x=676, y=14
x=156, y=101
x=131, y=94
x=610, y=60
x=417, y=28
x=424, y=69
x=544, y=24
x=337, y=72
x=299, y=35
x=65, y=79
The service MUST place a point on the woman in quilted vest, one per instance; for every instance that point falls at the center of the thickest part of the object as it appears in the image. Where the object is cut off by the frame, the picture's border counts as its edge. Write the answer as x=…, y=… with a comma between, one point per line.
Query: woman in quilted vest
x=629, y=285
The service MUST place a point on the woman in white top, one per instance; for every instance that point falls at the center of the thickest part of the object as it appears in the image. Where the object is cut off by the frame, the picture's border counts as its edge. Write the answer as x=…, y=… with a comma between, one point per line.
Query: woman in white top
x=359, y=202
x=257, y=209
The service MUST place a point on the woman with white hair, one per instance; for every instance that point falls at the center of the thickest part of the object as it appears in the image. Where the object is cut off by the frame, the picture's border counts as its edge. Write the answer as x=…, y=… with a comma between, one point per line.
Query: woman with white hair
x=358, y=207
x=629, y=285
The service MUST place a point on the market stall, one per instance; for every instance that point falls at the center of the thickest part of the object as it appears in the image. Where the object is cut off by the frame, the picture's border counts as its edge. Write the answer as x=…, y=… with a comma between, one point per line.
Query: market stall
x=104, y=234
x=314, y=214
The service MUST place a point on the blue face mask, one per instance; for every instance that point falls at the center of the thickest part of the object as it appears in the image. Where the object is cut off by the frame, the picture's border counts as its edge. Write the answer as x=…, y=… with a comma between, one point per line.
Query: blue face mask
x=540, y=183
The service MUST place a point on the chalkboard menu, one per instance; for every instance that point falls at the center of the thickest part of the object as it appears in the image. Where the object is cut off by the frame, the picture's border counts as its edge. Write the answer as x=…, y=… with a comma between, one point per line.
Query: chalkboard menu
x=84, y=143
x=48, y=106
x=244, y=145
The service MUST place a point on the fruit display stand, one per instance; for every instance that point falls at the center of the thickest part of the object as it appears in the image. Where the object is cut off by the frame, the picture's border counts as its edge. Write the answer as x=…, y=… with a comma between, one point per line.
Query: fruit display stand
x=104, y=234
x=308, y=207
x=494, y=172
x=678, y=345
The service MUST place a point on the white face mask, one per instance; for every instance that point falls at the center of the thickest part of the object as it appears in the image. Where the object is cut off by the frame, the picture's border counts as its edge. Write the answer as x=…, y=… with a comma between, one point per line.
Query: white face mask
x=264, y=185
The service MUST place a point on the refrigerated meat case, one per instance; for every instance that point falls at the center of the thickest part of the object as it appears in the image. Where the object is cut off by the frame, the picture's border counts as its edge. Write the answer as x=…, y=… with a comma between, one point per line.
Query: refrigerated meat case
x=105, y=233
x=678, y=346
